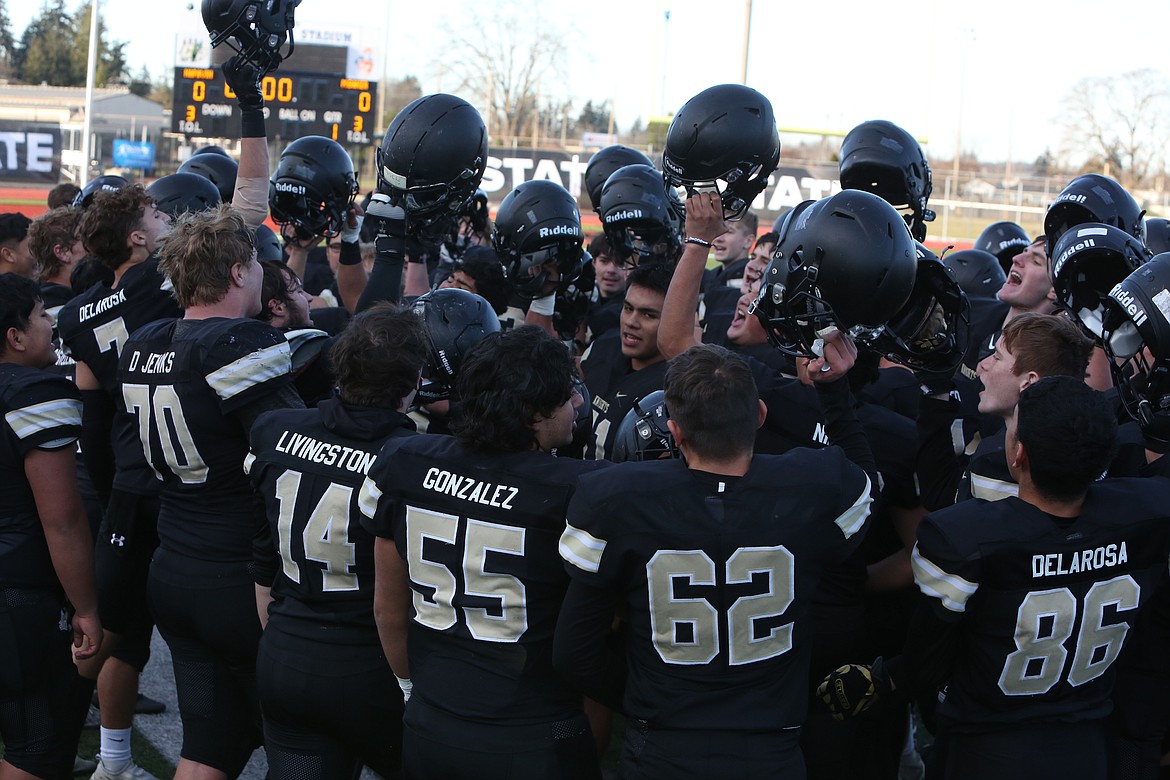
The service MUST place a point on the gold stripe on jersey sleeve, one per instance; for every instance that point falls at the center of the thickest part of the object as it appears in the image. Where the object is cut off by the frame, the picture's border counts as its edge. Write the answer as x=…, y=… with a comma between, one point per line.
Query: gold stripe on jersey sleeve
x=582, y=549
x=992, y=489
x=950, y=589
x=31, y=420
x=852, y=519
x=252, y=369
x=368, y=498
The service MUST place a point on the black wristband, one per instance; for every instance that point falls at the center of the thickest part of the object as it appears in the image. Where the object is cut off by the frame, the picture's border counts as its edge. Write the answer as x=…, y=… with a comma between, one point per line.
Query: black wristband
x=351, y=253
x=252, y=123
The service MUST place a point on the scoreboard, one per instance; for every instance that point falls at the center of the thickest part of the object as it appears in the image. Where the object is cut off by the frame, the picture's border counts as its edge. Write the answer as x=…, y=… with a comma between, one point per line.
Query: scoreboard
x=296, y=104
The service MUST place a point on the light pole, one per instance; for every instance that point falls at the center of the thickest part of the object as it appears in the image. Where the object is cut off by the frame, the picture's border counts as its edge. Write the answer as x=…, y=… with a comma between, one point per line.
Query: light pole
x=90, y=77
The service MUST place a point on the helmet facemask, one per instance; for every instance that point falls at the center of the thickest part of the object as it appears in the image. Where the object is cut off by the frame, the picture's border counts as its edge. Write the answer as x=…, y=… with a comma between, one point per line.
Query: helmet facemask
x=257, y=34
x=529, y=270
x=737, y=188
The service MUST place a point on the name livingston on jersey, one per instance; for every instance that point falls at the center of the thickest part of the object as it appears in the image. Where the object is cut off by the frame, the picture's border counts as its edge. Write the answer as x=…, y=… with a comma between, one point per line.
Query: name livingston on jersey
x=468, y=489
x=315, y=451
x=1054, y=564
x=97, y=307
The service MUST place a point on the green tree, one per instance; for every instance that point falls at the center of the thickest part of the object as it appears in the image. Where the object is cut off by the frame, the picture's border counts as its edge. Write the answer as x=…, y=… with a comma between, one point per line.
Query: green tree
x=44, y=54
x=55, y=47
x=7, y=42
x=111, y=62
x=594, y=118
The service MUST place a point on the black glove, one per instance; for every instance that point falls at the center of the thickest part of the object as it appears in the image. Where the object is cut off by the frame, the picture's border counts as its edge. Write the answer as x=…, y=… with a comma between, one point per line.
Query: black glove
x=854, y=688
x=385, y=219
x=244, y=79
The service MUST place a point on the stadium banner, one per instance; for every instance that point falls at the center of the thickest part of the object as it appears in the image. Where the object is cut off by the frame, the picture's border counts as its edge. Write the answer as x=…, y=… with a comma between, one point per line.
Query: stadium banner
x=508, y=168
x=30, y=152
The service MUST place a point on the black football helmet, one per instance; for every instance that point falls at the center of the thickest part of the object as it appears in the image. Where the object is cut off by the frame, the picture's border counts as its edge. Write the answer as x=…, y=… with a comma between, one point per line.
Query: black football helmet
x=1090, y=259
x=538, y=222
x=179, y=193
x=846, y=261
x=268, y=246
x=1157, y=235
x=211, y=149
x=1005, y=240
x=257, y=29
x=642, y=434
x=931, y=332
x=1092, y=197
x=455, y=321
x=313, y=187
x=108, y=183
x=977, y=271
x=602, y=165
x=432, y=159
x=1136, y=318
x=638, y=217
x=724, y=138
x=217, y=168
x=879, y=157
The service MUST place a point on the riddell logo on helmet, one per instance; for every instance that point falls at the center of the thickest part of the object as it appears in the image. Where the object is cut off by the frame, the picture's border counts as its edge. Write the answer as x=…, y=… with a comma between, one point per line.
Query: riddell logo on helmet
x=1070, y=198
x=1129, y=303
x=1066, y=254
x=671, y=166
x=627, y=214
x=1012, y=242
x=560, y=230
x=295, y=189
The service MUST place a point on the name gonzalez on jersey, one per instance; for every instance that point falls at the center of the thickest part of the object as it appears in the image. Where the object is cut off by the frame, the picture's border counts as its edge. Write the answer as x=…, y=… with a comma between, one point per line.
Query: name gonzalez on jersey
x=1053, y=564
x=468, y=489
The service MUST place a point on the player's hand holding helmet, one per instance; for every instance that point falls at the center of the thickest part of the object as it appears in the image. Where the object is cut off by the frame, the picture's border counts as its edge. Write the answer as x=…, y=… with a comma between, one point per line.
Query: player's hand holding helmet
x=431, y=161
x=313, y=187
x=723, y=139
x=846, y=262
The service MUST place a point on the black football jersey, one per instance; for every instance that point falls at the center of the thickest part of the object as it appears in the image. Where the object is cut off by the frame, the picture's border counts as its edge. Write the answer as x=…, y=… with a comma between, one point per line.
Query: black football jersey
x=309, y=465
x=182, y=380
x=614, y=387
x=1045, y=603
x=478, y=533
x=94, y=327
x=41, y=411
x=716, y=579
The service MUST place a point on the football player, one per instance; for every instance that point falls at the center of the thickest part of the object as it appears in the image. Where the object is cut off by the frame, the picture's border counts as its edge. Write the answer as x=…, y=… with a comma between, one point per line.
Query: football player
x=15, y=256
x=1028, y=601
x=320, y=644
x=468, y=582
x=286, y=307
x=48, y=549
x=625, y=365
x=194, y=386
x=122, y=230
x=713, y=561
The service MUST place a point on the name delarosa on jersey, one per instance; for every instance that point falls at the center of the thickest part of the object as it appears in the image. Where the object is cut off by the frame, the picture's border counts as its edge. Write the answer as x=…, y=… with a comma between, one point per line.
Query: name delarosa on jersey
x=152, y=363
x=325, y=453
x=1056, y=564
x=469, y=489
x=88, y=310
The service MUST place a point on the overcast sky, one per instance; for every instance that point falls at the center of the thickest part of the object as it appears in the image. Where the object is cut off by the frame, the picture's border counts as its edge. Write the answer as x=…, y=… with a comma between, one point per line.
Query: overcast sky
x=1000, y=66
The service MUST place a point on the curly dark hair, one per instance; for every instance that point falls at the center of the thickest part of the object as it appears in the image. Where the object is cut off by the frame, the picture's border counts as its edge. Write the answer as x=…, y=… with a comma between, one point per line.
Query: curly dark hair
x=378, y=357
x=109, y=220
x=506, y=382
x=18, y=298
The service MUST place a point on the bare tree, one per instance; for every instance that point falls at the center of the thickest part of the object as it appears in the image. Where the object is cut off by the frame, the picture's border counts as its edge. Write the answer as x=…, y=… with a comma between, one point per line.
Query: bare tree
x=509, y=61
x=1117, y=123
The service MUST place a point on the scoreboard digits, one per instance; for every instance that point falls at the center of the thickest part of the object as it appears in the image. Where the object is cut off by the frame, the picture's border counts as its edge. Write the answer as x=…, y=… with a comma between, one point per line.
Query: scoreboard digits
x=296, y=104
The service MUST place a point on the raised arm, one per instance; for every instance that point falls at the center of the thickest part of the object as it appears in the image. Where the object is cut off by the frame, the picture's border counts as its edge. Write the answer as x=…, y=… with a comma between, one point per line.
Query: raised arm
x=676, y=332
